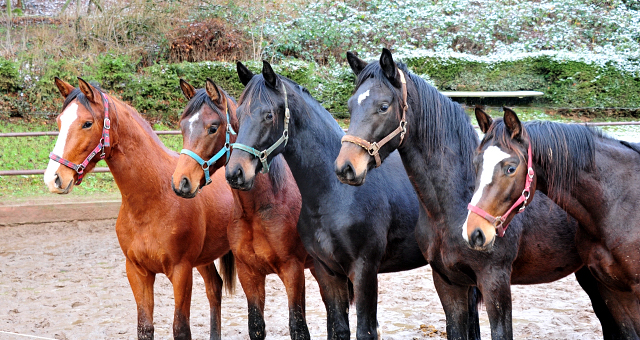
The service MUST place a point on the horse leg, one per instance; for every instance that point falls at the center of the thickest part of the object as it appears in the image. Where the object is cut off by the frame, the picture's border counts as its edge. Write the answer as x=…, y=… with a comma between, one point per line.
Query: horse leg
x=473, y=317
x=292, y=275
x=365, y=285
x=253, y=286
x=141, y=282
x=334, y=290
x=455, y=302
x=625, y=309
x=182, y=279
x=496, y=291
x=610, y=329
x=213, y=285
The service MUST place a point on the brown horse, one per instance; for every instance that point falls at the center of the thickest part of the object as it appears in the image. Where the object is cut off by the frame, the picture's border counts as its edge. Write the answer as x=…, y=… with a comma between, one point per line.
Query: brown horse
x=157, y=231
x=263, y=234
x=593, y=177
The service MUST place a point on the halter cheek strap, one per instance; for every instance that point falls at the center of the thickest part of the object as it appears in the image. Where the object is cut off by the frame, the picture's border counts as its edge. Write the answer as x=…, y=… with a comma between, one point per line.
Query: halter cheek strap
x=105, y=142
x=264, y=154
x=373, y=148
x=498, y=222
x=225, y=150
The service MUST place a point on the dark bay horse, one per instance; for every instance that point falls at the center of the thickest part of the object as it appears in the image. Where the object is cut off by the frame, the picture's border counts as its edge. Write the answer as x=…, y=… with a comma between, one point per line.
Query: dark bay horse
x=157, y=231
x=352, y=233
x=263, y=235
x=391, y=109
x=593, y=177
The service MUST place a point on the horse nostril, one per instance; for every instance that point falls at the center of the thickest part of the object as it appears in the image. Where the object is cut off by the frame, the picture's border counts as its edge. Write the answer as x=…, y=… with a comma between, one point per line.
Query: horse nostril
x=58, y=182
x=477, y=238
x=239, y=176
x=348, y=172
x=185, y=185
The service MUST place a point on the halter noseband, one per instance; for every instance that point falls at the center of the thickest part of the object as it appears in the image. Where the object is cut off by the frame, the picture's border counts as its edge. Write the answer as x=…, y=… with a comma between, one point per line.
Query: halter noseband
x=225, y=150
x=264, y=154
x=498, y=222
x=374, y=148
x=105, y=142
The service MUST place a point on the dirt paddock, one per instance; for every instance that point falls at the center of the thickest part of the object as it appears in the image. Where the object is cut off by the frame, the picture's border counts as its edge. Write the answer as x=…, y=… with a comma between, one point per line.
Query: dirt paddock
x=67, y=281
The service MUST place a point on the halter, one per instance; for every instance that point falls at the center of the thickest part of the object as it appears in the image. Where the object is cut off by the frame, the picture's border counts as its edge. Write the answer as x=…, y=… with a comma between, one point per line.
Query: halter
x=498, y=221
x=105, y=142
x=374, y=148
x=264, y=154
x=225, y=150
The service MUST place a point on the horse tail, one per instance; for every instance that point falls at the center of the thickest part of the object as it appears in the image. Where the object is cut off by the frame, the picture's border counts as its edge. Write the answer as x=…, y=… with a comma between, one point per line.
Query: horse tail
x=228, y=272
x=352, y=294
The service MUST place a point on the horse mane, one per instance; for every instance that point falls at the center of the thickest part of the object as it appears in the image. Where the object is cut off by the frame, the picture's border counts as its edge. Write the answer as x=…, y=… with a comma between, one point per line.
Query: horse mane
x=200, y=98
x=82, y=99
x=438, y=121
x=562, y=150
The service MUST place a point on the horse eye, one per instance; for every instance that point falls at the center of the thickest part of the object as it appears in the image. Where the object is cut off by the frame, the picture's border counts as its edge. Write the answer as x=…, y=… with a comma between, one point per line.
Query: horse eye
x=510, y=170
x=384, y=107
x=269, y=116
x=213, y=129
x=87, y=125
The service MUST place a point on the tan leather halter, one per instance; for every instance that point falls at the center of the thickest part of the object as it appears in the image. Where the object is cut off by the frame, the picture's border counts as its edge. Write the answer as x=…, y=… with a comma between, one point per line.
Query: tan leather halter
x=374, y=148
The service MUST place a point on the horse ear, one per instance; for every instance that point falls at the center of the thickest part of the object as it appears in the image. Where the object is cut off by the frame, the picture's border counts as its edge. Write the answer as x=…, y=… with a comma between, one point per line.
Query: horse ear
x=213, y=91
x=89, y=91
x=243, y=73
x=389, y=68
x=484, y=120
x=187, y=90
x=64, y=87
x=270, y=77
x=512, y=123
x=357, y=64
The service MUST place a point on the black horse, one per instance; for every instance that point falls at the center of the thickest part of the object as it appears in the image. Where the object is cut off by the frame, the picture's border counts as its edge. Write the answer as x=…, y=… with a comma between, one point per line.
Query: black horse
x=592, y=176
x=352, y=233
x=437, y=142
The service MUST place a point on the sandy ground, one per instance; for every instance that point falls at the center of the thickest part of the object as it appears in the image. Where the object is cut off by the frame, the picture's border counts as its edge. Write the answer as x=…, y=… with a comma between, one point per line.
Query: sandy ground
x=67, y=281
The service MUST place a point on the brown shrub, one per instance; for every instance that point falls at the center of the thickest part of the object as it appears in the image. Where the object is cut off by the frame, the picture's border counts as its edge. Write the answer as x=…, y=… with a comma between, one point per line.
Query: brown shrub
x=212, y=39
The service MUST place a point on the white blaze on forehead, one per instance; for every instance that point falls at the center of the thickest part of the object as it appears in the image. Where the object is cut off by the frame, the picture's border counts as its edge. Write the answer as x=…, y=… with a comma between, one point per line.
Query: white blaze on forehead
x=363, y=96
x=491, y=157
x=194, y=119
x=67, y=117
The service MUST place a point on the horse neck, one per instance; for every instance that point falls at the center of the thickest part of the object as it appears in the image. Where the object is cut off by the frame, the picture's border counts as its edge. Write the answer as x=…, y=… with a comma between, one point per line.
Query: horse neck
x=586, y=197
x=140, y=164
x=444, y=180
x=313, y=146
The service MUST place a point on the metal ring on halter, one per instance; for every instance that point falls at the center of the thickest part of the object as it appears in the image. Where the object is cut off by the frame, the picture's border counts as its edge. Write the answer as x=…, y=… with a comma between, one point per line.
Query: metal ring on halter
x=205, y=168
x=373, y=149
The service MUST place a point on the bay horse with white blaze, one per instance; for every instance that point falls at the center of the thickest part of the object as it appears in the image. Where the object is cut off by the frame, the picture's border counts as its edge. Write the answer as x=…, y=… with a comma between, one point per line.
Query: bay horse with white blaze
x=393, y=109
x=592, y=176
x=262, y=234
x=352, y=233
x=158, y=232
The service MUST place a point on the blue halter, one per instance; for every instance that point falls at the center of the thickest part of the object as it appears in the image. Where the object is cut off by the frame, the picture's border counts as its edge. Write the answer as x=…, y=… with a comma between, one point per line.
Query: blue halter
x=262, y=155
x=225, y=150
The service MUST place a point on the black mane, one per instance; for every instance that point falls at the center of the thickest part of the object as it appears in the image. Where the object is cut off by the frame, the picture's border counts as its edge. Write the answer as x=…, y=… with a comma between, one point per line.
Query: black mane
x=82, y=99
x=200, y=98
x=562, y=150
x=438, y=121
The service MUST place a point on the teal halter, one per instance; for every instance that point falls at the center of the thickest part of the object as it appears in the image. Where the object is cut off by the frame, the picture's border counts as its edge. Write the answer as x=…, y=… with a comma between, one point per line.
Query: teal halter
x=262, y=155
x=225, y=150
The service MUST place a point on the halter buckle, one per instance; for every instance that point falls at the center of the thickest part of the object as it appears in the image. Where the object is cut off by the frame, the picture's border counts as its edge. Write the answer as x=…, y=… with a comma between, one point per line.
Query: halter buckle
x=107, y=123
x=373, y=149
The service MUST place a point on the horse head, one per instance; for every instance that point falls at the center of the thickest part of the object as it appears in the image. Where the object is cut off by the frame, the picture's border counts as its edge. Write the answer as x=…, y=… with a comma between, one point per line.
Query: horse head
x=206, y=134
x=84, y=126
x=505, y=181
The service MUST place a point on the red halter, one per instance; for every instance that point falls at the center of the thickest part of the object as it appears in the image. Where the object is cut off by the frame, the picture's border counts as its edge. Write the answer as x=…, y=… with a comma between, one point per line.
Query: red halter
x=105, y=142
x=498, y=222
